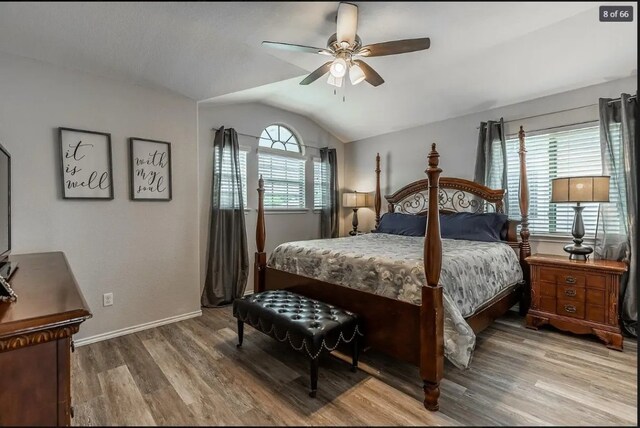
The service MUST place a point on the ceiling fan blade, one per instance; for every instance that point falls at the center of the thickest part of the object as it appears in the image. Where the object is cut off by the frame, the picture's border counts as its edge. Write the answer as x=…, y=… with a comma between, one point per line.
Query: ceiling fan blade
x=370, y=75
x=395, y=47
x=317, y=73
x=347, y=23
x=297, y=48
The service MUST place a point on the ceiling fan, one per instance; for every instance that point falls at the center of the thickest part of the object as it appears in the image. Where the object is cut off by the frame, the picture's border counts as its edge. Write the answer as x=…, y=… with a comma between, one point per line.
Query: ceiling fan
x=345, y=46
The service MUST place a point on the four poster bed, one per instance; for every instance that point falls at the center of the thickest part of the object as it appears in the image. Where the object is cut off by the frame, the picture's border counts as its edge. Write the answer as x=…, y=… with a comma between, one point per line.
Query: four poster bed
x=413, y=323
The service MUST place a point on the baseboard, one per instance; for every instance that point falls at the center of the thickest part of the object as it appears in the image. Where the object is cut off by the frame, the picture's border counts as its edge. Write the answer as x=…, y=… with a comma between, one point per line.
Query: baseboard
x=135, y=328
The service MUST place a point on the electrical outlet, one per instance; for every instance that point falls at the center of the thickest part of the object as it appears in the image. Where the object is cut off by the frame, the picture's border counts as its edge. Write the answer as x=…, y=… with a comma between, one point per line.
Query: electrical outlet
x=107, y=299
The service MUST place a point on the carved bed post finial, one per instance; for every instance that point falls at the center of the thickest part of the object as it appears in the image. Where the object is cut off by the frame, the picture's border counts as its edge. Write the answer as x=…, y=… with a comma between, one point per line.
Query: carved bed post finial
x=525, y=246
x=431, y=310
x=378, y=198
x=261, y=237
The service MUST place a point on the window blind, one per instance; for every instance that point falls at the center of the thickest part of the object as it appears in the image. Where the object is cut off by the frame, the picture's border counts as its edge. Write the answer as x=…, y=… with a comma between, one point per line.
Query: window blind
x=226, y=197
x=559, y=154
x=284, y=181
x=320, y=183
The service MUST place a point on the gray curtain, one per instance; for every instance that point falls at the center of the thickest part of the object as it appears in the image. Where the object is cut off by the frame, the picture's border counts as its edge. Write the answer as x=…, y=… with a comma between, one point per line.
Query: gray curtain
x=617, y=231
x=491, y=157
x=329, y=219
x=228, y=255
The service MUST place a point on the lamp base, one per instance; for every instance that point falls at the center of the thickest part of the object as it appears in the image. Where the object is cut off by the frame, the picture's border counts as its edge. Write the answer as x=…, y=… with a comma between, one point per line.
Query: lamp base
x=354, y=223
x=578, y=251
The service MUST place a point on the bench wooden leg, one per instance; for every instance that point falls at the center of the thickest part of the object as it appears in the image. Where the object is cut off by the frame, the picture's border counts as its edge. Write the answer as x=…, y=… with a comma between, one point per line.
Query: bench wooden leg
x=240, y=333
x=314, y=377
x=355, y=353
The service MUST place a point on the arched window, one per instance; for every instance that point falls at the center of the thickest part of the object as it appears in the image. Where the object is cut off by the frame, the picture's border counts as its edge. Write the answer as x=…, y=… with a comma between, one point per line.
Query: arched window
x=280, y=137
x=282, y=167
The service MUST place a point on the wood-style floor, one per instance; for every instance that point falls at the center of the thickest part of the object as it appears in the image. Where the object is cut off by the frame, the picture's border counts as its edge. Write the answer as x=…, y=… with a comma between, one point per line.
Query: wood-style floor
x=190, y=373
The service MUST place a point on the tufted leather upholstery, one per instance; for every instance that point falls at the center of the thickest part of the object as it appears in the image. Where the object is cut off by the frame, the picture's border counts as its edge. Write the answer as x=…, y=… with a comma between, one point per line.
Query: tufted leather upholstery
x=307, y=323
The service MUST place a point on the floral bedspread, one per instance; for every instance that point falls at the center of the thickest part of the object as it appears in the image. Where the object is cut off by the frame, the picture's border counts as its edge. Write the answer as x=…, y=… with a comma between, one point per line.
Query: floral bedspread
x=472, y=274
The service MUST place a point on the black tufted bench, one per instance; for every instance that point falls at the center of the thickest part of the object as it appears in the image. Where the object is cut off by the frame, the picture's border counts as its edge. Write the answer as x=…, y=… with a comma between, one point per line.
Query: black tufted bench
x=307, y=325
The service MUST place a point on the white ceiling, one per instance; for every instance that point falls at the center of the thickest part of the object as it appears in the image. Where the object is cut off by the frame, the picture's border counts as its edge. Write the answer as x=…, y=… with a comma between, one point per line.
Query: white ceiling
x=482, y=55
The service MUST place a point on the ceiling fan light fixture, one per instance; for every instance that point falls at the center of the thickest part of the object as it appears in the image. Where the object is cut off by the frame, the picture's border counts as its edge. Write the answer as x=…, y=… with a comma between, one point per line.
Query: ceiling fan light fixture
x=338, y=68
x=335, y=81
x=356, y=75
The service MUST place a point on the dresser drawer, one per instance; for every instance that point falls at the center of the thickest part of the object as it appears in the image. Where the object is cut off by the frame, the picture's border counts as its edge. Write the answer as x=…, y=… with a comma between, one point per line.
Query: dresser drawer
x=570, y=308
x=569, y=292
x=561, y=276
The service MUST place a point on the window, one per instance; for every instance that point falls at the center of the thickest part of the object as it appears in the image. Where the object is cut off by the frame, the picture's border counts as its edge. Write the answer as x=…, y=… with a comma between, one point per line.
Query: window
x=320, y=183
x=283, y=168
x=558, y=154
x=226, y=200
x=279, y=137
x=283, y=181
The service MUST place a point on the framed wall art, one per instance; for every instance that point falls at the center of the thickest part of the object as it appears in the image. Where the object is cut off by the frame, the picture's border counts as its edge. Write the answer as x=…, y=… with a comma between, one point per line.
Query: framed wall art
x=86, y=164
x=150, y=170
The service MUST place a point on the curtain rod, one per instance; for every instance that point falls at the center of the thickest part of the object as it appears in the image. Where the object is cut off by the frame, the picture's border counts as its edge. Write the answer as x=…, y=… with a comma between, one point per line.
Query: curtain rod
x=615, y=100
x=257, y=138
x=555, y=127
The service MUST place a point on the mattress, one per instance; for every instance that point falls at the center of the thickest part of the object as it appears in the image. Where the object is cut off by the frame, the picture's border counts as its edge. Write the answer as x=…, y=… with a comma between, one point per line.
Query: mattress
x=473, y=273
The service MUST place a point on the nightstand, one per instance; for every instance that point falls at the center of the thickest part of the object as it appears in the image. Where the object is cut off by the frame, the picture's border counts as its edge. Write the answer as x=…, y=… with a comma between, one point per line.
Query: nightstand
x=576, y=296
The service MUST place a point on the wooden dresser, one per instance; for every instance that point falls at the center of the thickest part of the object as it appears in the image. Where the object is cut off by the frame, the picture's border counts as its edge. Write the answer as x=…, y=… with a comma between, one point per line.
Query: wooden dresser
x=36, y=341
x=576, y=296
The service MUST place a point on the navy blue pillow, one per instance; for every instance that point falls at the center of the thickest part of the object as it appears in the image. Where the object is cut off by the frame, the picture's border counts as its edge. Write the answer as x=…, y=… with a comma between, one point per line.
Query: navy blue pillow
x=486, y=227
x=402, y=224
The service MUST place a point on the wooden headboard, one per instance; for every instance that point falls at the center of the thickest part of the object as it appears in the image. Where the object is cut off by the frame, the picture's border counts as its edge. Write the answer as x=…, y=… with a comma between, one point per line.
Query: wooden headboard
x=461, y=195
x=455, y=195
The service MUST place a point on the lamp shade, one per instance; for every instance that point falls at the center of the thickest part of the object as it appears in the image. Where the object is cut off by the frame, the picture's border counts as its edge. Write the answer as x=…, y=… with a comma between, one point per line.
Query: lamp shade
x=354, y=200
x=356, y=75
x=593, y=188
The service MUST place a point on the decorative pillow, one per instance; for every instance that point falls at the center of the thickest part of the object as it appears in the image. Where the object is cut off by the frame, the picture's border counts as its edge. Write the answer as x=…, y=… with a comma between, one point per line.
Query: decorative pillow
x=402, y=224
x=486, y=227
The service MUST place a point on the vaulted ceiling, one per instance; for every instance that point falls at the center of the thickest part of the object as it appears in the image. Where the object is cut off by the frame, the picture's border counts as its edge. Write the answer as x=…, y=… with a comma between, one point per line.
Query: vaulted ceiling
x=483, y=55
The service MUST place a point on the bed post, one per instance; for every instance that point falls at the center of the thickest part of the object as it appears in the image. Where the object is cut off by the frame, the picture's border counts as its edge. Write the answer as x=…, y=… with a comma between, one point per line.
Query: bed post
x=431, y=310
x=378, y=200
x=525, y=246
x=260, y=257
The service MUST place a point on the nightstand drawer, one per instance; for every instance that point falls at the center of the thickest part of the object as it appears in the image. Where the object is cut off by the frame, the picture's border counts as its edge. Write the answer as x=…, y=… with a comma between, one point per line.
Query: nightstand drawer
x=570, y=308
x=597, y=281
x=595, y=313
x=561, y=276
x=569, y=292
x=595, y=297
x=547, y=289
x=570, y=278
x=548, y=304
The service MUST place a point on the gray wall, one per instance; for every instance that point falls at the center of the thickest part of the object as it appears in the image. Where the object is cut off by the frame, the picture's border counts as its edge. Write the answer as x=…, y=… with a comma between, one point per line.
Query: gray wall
x=404, y=153
x=146, y=253
x=251, y=119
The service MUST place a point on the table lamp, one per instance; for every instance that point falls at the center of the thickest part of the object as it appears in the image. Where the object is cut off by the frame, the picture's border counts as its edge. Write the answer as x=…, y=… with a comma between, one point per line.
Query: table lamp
x=354, y=200
x=593, y=188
